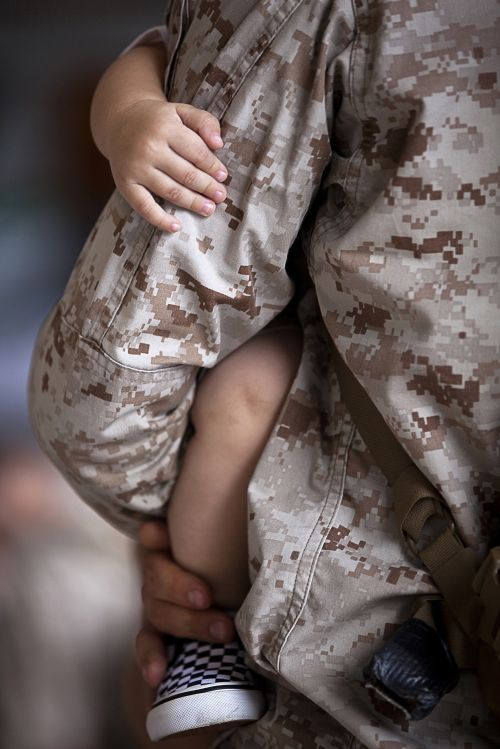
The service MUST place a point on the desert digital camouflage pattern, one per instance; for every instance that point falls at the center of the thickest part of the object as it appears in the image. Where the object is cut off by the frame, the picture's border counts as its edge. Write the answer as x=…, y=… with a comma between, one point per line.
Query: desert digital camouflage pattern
x=368, y=132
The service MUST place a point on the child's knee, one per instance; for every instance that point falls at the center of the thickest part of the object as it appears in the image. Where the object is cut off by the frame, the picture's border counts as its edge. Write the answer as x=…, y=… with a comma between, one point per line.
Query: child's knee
x=249, y=385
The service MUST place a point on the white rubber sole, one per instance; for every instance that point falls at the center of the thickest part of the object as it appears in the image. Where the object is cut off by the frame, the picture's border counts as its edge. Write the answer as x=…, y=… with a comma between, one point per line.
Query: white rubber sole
x=200, y=709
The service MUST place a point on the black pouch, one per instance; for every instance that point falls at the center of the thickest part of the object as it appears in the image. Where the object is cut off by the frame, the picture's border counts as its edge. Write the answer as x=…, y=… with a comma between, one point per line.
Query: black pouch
x=413, y=670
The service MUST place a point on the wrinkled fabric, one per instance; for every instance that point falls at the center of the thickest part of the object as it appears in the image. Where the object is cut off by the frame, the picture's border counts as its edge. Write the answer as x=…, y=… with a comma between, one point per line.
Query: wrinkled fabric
x=365, y=133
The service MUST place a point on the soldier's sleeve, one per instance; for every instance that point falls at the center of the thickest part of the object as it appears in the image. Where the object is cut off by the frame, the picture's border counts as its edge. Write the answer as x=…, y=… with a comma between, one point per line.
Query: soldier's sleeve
x=113, y=430
x=115, y=365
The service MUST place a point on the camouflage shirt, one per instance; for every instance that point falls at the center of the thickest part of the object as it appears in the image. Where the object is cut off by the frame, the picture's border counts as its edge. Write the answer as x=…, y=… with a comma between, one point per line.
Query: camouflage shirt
x=363, y=132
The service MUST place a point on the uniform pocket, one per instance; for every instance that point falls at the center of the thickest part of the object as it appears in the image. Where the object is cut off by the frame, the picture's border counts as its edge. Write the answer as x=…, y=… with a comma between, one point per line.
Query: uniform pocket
x=166, y=316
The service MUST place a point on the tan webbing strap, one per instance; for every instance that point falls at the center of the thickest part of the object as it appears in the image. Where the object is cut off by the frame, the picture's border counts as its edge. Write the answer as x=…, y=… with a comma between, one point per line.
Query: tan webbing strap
x=453, y=567
x=441, y=550
x=416, y=501
x=388, y=453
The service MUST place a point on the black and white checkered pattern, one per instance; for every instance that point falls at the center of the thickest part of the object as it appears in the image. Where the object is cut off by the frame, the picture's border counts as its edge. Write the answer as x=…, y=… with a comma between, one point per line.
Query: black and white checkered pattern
x=194, y=664
x=206, y=685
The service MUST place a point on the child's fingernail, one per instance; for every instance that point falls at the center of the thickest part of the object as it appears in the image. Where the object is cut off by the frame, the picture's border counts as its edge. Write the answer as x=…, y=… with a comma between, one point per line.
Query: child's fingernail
x=219, y=195
x=217, y=141
x=175, y=227
x=221, y=175
x=196, y=598
x=207, y=208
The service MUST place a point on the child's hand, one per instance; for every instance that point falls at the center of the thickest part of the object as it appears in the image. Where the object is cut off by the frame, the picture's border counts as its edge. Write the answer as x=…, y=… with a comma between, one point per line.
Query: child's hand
x=162, y=148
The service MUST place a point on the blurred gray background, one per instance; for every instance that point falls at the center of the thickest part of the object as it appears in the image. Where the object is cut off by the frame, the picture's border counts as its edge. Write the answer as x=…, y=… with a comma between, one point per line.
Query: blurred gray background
x=68, y=585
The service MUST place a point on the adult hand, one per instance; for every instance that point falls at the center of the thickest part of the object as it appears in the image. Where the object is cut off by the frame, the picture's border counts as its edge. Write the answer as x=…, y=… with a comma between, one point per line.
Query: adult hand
x=175, y=603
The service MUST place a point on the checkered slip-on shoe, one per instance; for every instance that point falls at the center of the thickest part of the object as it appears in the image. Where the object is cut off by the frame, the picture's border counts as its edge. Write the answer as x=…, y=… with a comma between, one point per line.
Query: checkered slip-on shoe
x=205, y=685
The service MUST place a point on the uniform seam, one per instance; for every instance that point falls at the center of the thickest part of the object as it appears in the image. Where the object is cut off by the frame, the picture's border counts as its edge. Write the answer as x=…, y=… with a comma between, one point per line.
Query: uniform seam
x=172, y=63
x=230, y=79
x=346, y=420
x=282, y=632
x=356, y=106
x=347, y=213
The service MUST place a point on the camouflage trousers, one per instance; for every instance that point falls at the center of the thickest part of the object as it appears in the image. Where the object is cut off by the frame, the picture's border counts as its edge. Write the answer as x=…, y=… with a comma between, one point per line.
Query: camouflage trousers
x=364, y=134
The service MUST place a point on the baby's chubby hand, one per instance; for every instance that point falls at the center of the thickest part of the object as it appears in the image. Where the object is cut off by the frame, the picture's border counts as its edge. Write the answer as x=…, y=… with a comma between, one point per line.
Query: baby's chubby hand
x=165, y=149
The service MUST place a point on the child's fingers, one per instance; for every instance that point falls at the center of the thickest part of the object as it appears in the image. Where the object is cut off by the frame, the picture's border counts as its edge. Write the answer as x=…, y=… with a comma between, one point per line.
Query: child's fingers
x=205, y=124
x=191, y=147
x=143, y=202
x=165, y=187
x=196, y=180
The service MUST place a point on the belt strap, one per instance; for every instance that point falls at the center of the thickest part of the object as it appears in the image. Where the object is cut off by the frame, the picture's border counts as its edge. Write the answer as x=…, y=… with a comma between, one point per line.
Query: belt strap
x=420, y=509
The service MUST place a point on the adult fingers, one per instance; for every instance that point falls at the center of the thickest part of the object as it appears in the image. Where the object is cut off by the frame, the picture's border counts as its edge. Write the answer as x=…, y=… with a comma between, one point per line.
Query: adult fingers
x=153, y=536
x=205, y=124
x=164, y=580
x=209, y=625
x=150, y=655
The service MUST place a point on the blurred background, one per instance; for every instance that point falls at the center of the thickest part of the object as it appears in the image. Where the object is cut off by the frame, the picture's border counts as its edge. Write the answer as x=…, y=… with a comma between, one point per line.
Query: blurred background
x=69, y=601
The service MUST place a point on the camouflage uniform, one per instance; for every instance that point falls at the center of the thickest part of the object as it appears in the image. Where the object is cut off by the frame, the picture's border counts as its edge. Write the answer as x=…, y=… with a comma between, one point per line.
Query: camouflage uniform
x=366, y=131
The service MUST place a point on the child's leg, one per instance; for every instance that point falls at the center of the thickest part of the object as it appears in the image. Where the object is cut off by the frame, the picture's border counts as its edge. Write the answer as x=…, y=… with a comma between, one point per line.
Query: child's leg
x=236, y=406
